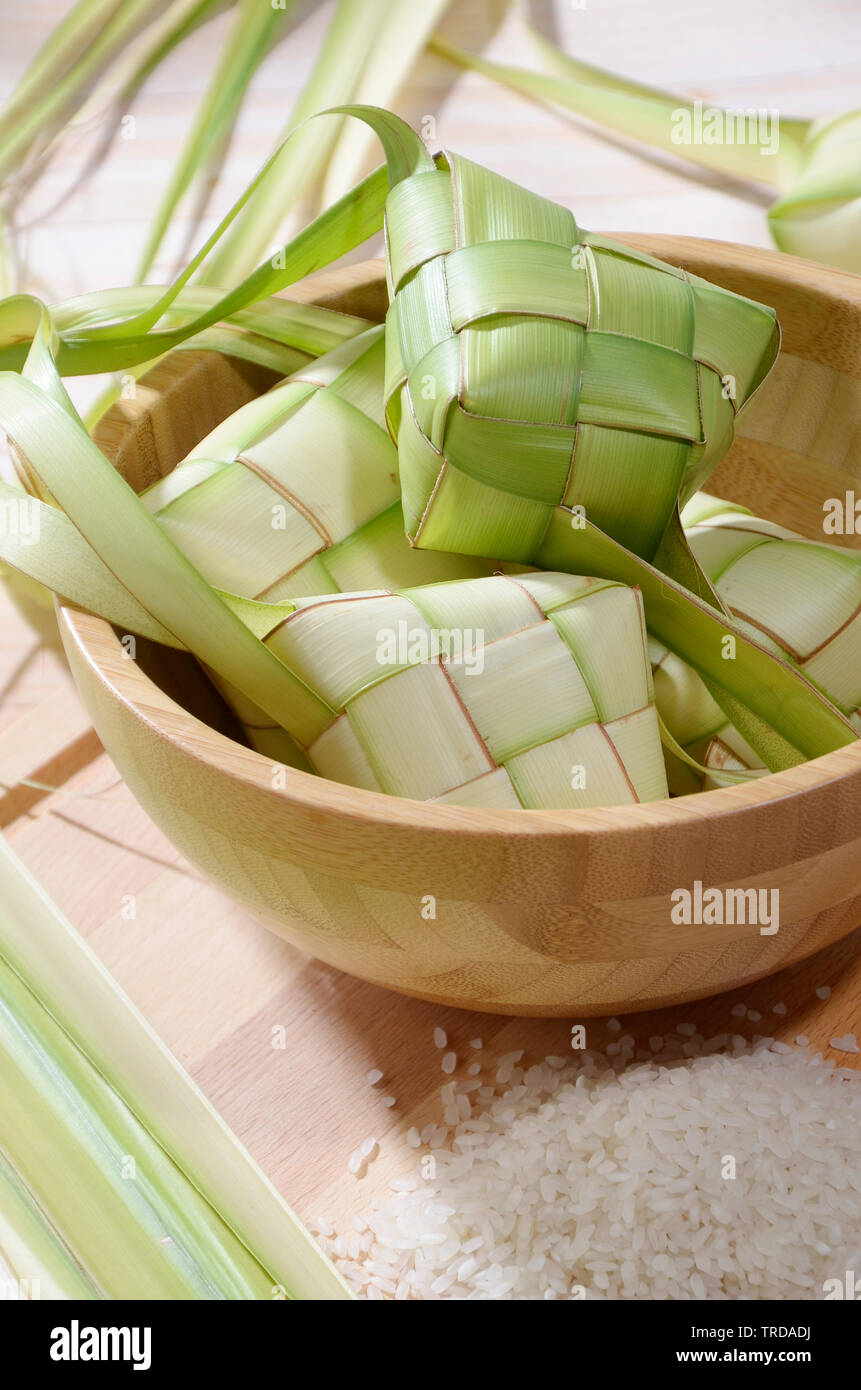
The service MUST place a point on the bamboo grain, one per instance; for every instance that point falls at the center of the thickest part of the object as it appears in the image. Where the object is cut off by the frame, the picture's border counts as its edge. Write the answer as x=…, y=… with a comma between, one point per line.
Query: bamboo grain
x=535, y=912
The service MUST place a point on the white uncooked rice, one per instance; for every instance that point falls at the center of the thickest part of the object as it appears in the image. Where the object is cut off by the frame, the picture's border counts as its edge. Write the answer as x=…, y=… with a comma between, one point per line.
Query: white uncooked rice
x=611, y=1177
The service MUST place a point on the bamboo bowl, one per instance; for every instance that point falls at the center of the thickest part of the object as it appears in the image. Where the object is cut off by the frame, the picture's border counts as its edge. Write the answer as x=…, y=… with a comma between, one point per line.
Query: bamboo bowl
x=510, y=912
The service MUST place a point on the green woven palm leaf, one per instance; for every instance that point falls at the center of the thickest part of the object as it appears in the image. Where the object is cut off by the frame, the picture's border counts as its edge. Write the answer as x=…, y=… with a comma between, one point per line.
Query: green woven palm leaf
x=298, y=493
x=264, y=512
x=274, y=333
x=531, y=364
x=510, y=691
x=554, y=396
x=530, y=690
x=801, y=598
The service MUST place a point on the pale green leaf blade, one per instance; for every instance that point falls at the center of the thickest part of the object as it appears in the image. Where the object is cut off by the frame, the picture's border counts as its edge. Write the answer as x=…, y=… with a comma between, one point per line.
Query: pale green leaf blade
x=97, y=1019
x=254, y=30
x=654, y=117
x=802, y=723
x=132, y=544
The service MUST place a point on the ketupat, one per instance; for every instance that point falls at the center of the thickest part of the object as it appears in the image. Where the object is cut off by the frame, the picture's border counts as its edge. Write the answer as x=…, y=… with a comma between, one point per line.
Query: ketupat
x=591, y=666
x=277, y=334
x=265, y=513
x=298, y=493
x=491, y=394
x=528, y=691
x=530, y=365
x=801, y=597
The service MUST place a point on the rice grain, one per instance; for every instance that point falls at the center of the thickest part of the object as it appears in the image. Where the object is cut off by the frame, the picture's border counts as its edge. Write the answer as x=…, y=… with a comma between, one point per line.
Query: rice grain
x=609, y=1178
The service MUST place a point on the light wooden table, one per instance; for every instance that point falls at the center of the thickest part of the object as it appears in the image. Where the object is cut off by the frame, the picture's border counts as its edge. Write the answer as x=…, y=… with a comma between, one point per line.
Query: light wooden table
x=216, y=985
x=211, y=981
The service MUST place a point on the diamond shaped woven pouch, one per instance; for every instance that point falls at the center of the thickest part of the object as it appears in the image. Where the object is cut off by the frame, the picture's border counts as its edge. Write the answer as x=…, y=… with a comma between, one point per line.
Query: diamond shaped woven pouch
x=528, y=691
x=297, y=493
x=530, y=364
x=801, y=597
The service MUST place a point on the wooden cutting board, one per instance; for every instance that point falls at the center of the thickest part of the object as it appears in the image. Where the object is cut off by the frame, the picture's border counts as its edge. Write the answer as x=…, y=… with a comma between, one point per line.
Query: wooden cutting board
x=281, y=1044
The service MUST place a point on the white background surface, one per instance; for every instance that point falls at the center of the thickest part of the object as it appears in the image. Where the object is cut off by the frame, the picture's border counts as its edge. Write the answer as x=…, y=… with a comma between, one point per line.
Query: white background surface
x=802, y=59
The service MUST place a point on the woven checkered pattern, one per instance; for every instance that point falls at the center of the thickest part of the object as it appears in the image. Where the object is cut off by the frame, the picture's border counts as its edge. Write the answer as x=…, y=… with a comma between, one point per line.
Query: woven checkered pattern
x=529, y=691
x=299, y=494
x=800, y=598
x=529, y=364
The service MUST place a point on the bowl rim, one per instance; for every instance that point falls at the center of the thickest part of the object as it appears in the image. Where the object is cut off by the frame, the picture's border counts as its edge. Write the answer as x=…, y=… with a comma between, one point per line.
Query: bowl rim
x=98, y=645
